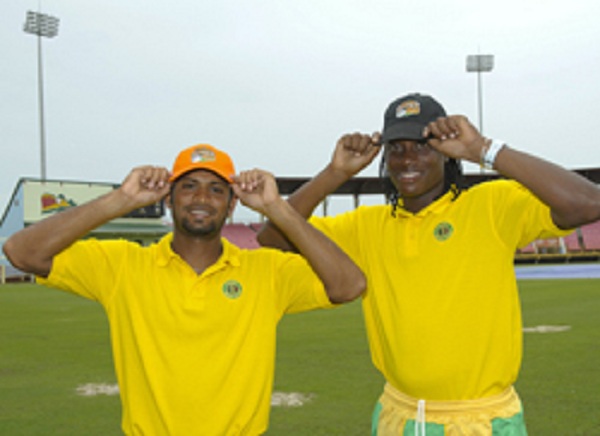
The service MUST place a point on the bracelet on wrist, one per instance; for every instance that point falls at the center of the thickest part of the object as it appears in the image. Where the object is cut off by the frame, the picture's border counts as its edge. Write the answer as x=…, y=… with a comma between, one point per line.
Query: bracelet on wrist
x=488, y=154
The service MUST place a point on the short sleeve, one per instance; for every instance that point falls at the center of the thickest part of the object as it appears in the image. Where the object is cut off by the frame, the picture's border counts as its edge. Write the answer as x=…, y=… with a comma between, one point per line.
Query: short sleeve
x=343, y=230
x=87, y=268
x=297, y=286
x=520, y=216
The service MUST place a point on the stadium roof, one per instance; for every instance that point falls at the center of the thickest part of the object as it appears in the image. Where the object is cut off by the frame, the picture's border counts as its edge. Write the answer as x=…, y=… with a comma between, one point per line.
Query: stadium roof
x=373, y=185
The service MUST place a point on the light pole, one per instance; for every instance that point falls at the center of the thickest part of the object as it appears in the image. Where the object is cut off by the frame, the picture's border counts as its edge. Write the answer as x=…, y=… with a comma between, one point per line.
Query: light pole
x=480, y=64
x=41, y=25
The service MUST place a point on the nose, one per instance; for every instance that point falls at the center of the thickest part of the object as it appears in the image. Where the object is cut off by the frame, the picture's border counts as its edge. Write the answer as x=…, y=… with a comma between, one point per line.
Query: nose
x=201, y=194
x=407, y=156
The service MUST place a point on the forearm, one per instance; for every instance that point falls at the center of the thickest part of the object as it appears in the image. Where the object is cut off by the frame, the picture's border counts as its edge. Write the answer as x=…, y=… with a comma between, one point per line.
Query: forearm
x=33, y=248
x=573, y=199
x=342, y=279
x=305, y=200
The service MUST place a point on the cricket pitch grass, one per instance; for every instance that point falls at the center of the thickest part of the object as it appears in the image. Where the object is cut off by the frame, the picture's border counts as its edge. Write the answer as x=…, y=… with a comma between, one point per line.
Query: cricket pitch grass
x=57, y=378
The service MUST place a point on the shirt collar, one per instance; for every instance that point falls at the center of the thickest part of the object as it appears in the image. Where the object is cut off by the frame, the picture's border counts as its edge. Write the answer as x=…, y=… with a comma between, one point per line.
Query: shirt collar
x=436, y=207
x=165, y=254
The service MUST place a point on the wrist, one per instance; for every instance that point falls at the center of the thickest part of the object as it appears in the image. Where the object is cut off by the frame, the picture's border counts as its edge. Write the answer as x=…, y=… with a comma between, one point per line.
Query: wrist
x=117, y=202
x=489, y=153
x=336, y=175
x=277, y=210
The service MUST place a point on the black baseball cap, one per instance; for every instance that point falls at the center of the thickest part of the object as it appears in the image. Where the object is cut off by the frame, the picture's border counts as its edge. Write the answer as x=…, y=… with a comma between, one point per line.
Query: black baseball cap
x=406, y=117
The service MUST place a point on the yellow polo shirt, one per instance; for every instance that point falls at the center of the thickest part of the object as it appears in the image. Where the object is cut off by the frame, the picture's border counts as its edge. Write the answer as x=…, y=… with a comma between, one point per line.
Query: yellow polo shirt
x=441, y=309
x=194, y=354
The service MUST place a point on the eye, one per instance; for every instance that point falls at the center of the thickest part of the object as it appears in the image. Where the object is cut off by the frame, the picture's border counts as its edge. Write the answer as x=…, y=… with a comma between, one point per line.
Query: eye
x=187, y=186
x=218, y=189
x=422, y=146
x=394, y=148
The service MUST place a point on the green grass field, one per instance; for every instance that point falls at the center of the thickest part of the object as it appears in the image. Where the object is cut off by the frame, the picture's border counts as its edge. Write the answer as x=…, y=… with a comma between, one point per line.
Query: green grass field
x=51, y=343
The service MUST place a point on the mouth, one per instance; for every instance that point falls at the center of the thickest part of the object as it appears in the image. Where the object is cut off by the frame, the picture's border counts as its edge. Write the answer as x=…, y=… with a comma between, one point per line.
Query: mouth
x=408, y=176
x=199, y=213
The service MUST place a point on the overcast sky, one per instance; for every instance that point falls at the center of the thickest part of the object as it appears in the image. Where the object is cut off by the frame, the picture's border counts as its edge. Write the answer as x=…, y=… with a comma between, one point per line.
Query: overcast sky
x=276, y=82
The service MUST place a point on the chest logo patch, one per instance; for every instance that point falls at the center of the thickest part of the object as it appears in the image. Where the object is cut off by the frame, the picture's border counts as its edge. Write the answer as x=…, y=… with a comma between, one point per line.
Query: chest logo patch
x=232, y=289
x=443, y=231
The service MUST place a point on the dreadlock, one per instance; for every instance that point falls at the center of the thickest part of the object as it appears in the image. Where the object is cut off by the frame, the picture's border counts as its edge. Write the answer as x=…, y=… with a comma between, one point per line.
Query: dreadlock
x=453, y=181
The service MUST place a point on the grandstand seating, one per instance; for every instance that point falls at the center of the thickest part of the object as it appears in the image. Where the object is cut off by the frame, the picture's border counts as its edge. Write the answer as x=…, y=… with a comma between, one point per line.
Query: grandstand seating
x=572, y=243
x=528, y=249
x=591, y=236
x=581, y=245
x=256, y=226
x=242, y=235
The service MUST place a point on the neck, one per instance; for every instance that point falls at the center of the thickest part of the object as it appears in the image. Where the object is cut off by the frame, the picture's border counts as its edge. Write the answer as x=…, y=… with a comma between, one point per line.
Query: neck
x=416, y=204
x=198, y=253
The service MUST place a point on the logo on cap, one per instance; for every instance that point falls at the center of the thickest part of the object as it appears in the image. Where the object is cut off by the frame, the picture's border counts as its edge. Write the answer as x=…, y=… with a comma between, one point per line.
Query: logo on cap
x=203, y=155
x=408, y=108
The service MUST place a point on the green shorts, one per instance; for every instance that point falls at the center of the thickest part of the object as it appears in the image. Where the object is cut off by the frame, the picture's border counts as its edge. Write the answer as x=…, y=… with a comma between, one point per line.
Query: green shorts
x=397, y=414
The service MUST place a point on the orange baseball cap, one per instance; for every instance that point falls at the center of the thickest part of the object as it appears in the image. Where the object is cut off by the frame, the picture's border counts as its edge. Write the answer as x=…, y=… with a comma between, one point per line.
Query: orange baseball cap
x=203, y=157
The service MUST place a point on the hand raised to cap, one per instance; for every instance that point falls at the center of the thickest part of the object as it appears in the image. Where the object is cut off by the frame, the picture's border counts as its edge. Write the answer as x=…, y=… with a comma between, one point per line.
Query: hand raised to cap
x=456, y=137
x=146, y=185
x=355, y=151
x=256, y=189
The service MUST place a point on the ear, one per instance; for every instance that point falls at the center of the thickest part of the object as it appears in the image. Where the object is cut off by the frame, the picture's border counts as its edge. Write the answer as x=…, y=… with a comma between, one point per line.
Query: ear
x=232, y=204
x=169, y=201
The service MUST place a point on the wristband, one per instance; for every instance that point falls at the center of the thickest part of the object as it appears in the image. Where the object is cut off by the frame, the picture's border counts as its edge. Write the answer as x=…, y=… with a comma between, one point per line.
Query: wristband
x=489, y=156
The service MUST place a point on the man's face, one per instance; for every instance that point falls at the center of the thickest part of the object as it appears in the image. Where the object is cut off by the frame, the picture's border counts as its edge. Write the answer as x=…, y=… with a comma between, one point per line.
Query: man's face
x=200, y=203
x=416, y=170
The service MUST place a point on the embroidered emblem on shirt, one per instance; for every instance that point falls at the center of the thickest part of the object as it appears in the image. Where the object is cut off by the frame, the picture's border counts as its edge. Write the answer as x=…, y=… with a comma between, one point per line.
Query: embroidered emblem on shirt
x=443, y=231
x=232, y=289
x=408, y=108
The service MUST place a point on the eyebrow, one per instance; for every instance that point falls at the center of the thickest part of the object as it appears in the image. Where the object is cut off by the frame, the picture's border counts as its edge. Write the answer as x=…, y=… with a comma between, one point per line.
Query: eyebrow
x=217, y=180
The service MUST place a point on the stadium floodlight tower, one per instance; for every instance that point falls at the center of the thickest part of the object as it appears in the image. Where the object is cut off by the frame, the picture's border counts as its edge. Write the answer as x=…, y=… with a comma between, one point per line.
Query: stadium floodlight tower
x=480, y=64
x=47, y=26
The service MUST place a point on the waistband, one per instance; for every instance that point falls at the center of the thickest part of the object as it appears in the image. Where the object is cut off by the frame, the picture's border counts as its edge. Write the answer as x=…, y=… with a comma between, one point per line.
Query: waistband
x=505, y=399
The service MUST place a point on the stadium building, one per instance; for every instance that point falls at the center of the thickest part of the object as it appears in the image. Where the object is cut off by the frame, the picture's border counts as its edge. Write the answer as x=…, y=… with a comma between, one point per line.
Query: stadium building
x=35, y=199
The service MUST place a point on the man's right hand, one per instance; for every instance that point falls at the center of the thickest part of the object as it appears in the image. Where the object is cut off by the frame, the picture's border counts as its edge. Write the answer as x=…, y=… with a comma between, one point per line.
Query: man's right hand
x=145, y=185
x=355, y=151
x=33, y=248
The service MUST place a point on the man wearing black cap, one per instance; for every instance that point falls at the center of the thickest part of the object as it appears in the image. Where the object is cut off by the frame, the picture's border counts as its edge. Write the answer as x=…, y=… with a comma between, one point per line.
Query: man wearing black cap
x=441, y=309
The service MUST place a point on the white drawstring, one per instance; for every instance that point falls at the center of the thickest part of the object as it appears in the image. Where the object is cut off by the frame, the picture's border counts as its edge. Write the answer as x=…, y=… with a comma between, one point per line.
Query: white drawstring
x=420, y=421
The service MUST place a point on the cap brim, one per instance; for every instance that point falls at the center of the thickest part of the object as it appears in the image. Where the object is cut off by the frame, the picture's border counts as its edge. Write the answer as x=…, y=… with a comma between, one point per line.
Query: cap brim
x=406, y=130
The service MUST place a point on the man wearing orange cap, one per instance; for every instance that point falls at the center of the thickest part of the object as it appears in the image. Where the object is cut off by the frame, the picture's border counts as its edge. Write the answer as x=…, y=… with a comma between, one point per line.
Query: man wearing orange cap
x=193, y=318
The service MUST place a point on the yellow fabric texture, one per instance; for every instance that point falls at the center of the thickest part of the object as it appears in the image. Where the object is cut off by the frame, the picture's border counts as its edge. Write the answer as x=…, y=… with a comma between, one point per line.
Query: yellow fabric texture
x=194, y=354
x=441, y=308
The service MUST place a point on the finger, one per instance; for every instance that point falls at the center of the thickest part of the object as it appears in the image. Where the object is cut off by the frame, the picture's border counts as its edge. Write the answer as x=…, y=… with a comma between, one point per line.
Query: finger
x=347, y=142
x=376, y=139
x=373, y=151
x=364, y=142
x=442, y=129
x=240, y=180
x=361, y=145
x=249, y=180
x=445, y=128
x=153, y=178
x=432, y=130
x=453, y=123
x=237, y=191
